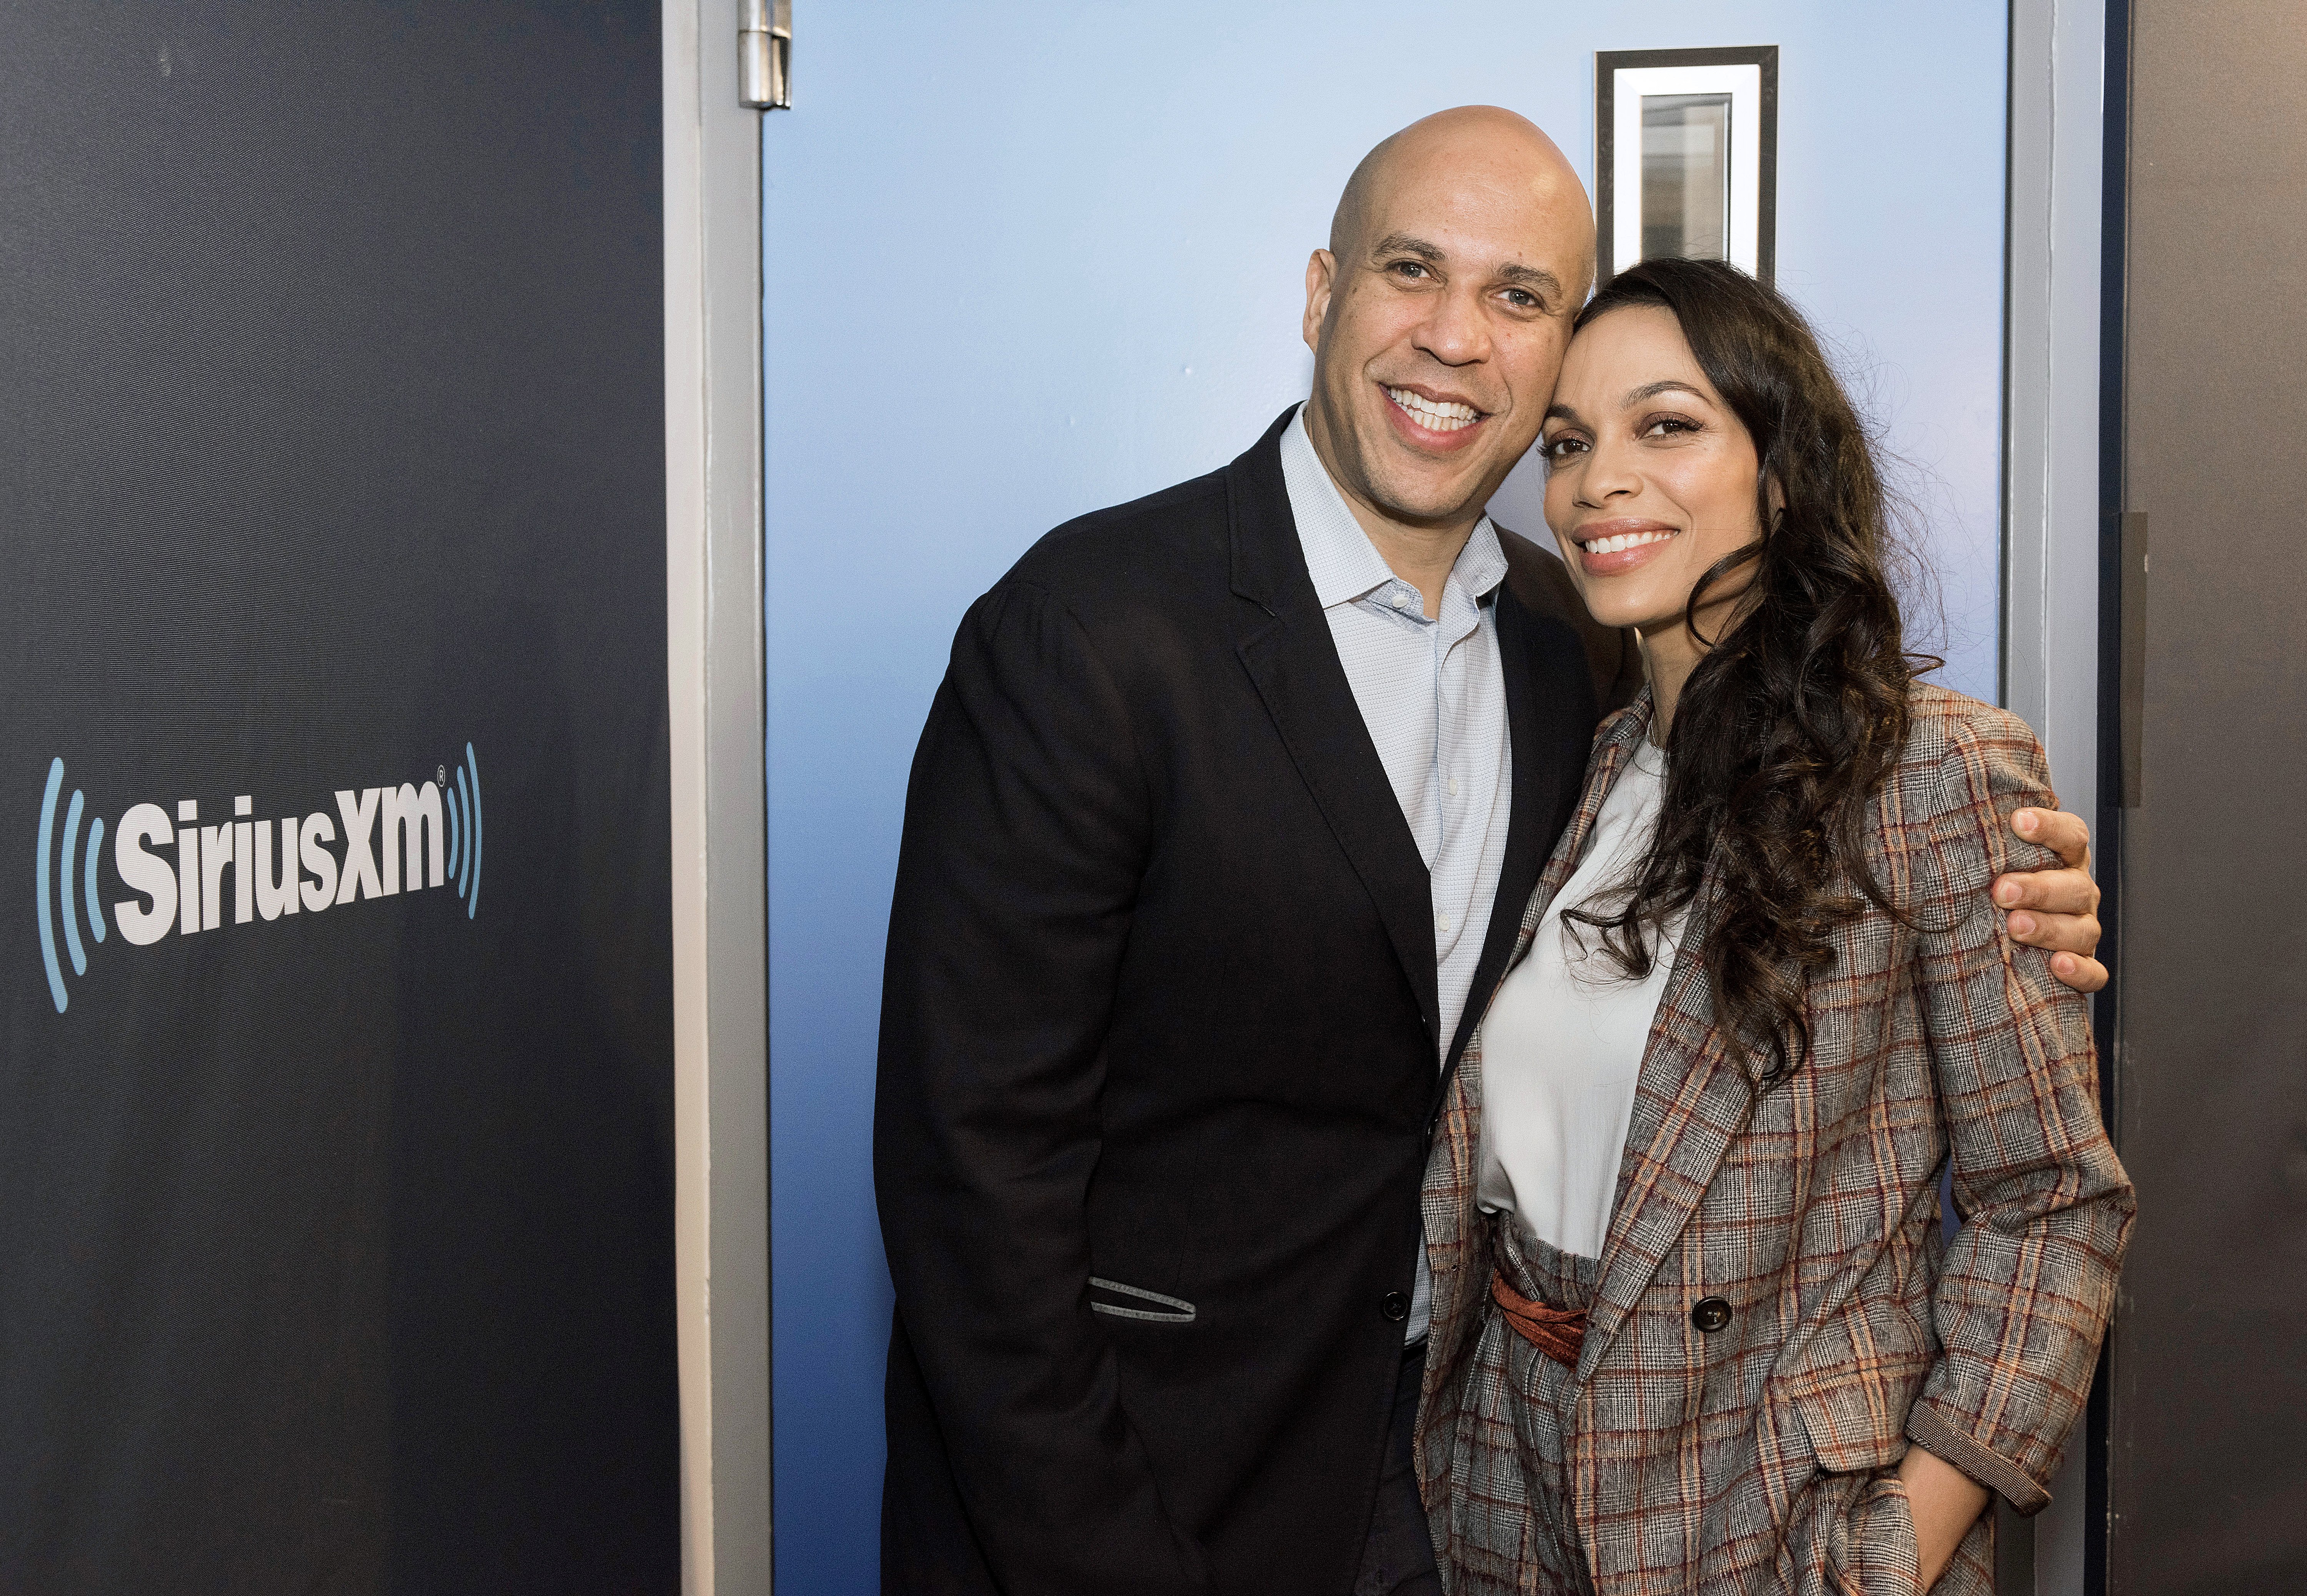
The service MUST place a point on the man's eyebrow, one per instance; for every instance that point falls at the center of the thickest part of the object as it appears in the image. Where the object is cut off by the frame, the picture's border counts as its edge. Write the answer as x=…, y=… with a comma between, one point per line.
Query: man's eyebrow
x=1531, y=277
x=1404, y=244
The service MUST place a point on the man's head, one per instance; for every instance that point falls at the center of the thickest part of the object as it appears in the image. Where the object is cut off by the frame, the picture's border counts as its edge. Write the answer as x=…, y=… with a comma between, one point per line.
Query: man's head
x=1462, y=247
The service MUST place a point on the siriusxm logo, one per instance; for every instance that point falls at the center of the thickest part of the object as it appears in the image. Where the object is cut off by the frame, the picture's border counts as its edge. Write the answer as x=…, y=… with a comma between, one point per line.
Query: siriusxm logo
x=406, y=838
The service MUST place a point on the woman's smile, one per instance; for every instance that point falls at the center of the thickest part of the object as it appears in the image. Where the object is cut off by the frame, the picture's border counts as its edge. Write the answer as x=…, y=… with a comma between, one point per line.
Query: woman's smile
x=1613, y=547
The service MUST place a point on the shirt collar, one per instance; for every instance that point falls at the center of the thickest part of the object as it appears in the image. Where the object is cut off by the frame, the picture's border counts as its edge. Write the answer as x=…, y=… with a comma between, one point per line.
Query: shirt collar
x=1342, y=561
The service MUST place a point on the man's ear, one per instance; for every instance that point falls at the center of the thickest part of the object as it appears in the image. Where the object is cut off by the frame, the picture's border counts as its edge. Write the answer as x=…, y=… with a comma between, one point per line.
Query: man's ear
x=1321, y=273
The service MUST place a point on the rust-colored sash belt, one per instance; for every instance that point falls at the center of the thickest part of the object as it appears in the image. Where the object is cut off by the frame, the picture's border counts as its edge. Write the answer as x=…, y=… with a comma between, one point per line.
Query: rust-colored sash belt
x=1558, y=1332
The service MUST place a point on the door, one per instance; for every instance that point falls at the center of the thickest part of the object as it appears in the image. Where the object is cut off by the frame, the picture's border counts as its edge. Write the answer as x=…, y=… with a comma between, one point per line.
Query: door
x=2207, y=1489
x=1023, y=261
x=335, y=1144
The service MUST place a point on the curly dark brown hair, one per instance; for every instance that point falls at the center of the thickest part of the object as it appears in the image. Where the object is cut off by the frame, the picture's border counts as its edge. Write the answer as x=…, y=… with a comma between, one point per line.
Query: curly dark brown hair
x=1794, y=716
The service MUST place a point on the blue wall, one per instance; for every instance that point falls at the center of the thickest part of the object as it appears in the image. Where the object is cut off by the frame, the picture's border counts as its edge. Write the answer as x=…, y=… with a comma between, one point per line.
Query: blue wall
x=1025, y=260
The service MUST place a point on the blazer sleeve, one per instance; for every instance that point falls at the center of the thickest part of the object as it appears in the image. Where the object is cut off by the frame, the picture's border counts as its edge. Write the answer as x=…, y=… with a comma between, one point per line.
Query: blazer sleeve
x=1026, y=833
x=2027, y=1283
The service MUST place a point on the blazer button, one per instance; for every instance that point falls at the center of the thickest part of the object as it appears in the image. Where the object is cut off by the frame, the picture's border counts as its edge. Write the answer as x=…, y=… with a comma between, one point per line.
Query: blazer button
x=1395, y=1306
x=1710, y=1314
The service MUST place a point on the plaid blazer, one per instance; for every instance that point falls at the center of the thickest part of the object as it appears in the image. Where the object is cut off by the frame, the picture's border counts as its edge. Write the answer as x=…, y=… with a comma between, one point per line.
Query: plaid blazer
x=1758, y=1459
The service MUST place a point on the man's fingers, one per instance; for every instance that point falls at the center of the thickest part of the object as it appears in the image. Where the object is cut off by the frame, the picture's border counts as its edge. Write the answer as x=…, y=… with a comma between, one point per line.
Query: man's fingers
x=2056, y=910
x=2084, y=975
x=2062, y=833
x=2070, y=933
x=2071, y=938
x=2055, y=892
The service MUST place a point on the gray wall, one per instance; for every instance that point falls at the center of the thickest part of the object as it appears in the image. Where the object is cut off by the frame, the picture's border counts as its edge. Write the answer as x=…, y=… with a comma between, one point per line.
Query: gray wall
x=2209, y=1486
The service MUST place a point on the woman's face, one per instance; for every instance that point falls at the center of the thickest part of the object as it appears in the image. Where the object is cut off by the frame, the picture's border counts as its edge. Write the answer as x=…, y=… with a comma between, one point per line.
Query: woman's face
x=1650, y=476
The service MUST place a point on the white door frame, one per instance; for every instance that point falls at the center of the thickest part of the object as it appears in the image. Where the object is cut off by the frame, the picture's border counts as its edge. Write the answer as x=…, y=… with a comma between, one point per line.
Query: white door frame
x=2052, y=410
x=720, y=938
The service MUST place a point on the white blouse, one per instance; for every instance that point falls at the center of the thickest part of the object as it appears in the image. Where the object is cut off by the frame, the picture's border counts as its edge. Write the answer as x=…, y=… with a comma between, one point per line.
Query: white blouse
x=1561, y=1045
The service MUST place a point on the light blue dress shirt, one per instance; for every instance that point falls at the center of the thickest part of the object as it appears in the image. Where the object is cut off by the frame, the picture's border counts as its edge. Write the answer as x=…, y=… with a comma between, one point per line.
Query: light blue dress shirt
x=1433, y=694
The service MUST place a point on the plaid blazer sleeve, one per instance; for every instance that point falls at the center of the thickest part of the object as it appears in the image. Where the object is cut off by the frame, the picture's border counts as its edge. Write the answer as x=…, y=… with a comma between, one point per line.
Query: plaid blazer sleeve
x=2027, y=1282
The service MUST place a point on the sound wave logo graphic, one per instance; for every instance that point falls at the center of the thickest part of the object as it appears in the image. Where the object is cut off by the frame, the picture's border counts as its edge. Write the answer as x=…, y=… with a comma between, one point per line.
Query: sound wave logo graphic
x=464, y=827
x=395, y=839
x=65, y=879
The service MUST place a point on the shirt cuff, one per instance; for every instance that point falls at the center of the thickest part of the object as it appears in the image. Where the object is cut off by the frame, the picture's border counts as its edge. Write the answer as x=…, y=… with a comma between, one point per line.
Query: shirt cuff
x=1990, y=1468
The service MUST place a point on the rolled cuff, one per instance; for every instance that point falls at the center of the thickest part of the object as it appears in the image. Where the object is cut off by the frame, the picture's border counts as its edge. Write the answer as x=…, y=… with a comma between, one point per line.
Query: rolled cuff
x=1988, y=1467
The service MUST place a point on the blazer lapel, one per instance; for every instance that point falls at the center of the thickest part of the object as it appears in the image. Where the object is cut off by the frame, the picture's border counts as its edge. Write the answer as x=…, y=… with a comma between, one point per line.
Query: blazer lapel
x=1691, y=1100
x=1284, y=644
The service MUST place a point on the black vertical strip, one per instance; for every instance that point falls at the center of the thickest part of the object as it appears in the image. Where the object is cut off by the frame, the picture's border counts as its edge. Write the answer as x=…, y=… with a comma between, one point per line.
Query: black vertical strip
x=1766, y=199
x=2107, y=1016
x=1606, y=163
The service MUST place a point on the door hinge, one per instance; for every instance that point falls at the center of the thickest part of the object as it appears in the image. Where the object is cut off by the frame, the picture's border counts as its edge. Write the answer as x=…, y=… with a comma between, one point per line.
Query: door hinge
x=764, y=54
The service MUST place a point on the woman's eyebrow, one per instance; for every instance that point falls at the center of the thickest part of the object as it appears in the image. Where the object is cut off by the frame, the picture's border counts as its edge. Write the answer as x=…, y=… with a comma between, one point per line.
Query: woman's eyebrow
x=1559, y=411
x=1650, y=390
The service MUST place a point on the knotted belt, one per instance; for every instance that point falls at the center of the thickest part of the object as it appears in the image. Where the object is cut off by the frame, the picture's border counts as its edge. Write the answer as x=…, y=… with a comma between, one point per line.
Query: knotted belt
x=1558, y=1332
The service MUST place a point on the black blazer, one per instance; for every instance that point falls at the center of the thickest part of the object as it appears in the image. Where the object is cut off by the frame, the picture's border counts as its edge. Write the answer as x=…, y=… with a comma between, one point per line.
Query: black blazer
x=1157, y=1066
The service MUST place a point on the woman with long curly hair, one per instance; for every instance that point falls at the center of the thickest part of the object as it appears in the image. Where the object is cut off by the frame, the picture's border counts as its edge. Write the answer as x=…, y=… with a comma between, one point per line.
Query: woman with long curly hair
x=1697, y=1324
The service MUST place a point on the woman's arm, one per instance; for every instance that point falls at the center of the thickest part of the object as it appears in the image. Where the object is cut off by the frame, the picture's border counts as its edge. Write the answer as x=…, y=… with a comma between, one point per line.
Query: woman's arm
x=1945, y=1502
x=2027, y=1282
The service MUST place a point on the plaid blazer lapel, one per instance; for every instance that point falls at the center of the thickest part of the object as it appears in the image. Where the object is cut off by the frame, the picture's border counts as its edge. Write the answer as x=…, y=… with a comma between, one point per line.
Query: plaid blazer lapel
x=1691, y=1098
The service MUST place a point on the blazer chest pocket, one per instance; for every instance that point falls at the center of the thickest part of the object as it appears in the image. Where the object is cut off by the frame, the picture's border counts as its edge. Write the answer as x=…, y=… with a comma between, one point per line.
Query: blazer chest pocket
x=1118, y=1301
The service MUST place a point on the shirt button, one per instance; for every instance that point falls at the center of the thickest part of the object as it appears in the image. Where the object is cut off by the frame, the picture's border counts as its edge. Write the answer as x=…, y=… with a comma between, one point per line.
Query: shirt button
x=1442, y=923
x=1454, y=787
x=1400, y=601
x=1395, y=1306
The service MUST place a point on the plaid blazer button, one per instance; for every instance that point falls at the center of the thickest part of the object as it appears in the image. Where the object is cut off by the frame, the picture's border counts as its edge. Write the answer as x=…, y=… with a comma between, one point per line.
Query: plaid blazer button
x=1710, y=1314
x=1395, y=1306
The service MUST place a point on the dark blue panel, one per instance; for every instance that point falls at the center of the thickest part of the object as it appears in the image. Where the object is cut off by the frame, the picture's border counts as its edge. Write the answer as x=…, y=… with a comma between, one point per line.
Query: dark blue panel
x=335, y=1243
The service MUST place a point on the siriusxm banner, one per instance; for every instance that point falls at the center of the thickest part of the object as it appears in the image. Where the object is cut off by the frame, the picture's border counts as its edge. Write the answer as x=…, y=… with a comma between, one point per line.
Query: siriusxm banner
x=401, y=826
x=336, y=1038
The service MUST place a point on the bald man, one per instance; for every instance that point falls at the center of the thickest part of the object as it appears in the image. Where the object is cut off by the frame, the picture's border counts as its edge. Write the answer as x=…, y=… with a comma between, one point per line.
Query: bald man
x=1228, y=805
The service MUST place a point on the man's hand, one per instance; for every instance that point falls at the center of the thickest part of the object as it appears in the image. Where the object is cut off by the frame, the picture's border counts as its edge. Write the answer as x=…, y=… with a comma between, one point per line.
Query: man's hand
x=2056, y=910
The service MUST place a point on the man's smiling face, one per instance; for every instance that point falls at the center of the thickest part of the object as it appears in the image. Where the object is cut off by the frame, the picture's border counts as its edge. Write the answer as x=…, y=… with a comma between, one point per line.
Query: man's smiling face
x=1438, y=318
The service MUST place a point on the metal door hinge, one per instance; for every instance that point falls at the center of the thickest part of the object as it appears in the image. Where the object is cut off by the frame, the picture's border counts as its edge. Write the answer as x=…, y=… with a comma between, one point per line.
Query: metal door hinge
x=764, y=54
